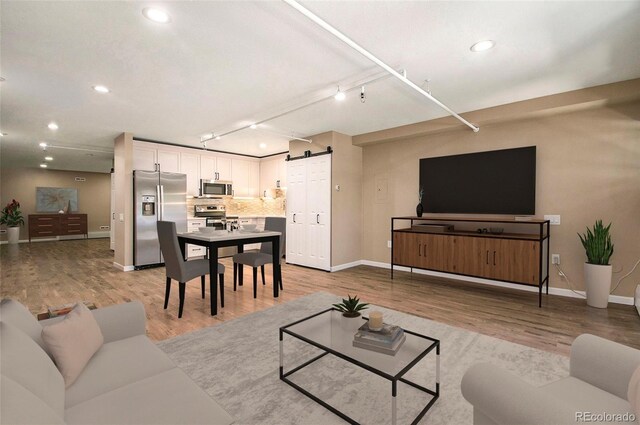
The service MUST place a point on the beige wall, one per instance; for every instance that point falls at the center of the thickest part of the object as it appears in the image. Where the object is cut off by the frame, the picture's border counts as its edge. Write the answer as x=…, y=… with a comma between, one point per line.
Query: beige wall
x=94, y=194
x=123, y=175
x=346, y=204
x=588, y=167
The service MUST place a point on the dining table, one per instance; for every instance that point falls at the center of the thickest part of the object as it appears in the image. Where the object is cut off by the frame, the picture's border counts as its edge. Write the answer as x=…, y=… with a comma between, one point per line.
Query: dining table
x=223, y=238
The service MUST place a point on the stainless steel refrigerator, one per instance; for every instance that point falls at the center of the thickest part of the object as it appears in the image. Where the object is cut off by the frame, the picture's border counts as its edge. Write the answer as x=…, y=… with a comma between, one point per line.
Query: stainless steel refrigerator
x=157, y=196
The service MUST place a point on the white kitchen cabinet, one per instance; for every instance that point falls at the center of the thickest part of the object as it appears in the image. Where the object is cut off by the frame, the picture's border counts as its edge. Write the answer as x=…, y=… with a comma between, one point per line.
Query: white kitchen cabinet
x=190, y=165
x=254, y=179
x=195, y=250
x=169, y=160
x=245, y=178
x=207, y=167
x=223, y=168
x=282, y=172
x=144, y=157
x=309, y=212
x=268, y=177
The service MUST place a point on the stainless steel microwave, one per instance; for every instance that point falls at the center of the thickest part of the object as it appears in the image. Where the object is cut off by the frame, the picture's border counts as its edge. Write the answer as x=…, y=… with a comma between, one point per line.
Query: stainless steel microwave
x=215, y=188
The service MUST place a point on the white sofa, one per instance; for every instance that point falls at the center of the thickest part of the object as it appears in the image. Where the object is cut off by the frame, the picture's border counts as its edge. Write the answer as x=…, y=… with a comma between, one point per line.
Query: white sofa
x=598, y=381
x=128, y=381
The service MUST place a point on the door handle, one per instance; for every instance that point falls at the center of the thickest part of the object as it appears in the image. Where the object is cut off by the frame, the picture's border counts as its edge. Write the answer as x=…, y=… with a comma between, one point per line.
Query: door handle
x=113, y=216
x=419, y=250
x=494, y=258
x=158, y=202
x=294, y=218
x=425, y=250
x=487, y=257
x=317, y=218
x=162, y=201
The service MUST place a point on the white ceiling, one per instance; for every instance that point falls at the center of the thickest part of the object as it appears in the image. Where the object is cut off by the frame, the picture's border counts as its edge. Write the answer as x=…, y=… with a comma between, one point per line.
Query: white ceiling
x=221, y=65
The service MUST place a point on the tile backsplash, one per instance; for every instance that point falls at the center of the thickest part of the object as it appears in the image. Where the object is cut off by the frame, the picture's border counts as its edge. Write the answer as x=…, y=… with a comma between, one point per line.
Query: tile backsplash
x=245, y=207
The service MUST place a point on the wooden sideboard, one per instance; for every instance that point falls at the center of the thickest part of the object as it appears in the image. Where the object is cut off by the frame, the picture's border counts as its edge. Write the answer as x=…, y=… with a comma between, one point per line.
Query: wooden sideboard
x=518, y=257
x=50, y=225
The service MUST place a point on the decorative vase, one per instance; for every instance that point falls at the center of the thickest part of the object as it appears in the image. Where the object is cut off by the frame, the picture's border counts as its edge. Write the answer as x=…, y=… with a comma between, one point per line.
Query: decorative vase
x=597, y=280
x=13, y=234
x=419, y=210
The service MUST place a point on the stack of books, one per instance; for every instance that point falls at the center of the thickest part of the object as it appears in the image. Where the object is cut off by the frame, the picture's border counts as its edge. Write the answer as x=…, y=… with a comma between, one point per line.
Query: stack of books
x=61, y=310
x=387, y=340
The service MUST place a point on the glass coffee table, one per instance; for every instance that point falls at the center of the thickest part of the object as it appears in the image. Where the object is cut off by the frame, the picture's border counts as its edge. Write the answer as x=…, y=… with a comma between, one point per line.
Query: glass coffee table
x=333, y=334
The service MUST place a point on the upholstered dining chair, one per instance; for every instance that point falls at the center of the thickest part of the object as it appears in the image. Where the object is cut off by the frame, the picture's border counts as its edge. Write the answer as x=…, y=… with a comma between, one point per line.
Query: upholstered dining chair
x=179, y=269
x=264, y=256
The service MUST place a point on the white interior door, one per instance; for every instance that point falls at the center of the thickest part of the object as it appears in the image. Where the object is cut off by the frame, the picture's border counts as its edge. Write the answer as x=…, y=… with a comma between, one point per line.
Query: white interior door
x=318, y=213
x=296, y=206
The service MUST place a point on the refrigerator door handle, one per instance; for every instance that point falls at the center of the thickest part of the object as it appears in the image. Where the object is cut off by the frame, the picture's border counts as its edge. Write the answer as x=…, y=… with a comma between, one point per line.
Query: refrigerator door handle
x=162, y=202
x=158, y=202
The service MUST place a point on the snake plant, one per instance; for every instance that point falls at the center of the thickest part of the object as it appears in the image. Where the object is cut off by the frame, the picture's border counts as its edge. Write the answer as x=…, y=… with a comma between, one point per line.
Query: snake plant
x=597, y=244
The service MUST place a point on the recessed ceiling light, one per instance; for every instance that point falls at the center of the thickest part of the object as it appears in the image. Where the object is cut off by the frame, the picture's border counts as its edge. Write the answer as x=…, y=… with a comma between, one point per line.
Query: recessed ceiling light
x=101, y=89
x=48, y=158
x=43, y=145
x=53, y=126
x=340, y=95
x=43, y=165
x=253, y=126
x=263, y=145
x=483, y=45
x=156, y=15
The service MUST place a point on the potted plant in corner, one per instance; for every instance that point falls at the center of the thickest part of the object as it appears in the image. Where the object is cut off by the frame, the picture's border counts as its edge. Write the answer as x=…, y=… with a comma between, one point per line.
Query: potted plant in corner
x=12, y=218
x=597, y=270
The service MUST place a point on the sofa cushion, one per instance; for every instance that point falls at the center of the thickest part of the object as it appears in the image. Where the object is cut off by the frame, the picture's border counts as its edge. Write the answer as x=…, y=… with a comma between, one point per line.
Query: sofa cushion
x=167, y=398
x=117, y=364
x=586, y=397
x=73, y=341
x=21, y=406
x=17, y=315
x=633, y=394
x=26, y=363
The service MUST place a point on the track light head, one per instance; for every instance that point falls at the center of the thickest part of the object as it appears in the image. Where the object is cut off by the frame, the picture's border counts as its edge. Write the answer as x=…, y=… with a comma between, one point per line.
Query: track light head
x=340, y=95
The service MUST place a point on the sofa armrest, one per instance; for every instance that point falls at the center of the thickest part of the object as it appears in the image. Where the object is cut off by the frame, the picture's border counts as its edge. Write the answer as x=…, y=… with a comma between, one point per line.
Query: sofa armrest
x=504, y=398
x=604, y=364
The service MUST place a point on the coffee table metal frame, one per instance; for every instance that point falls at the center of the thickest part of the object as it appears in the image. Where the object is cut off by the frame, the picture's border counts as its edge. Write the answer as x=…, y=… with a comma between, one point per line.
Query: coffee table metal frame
x=435, y=344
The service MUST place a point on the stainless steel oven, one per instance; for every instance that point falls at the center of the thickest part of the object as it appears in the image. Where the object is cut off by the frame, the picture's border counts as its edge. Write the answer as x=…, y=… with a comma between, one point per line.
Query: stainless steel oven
x=215, y=188
x=215, y=216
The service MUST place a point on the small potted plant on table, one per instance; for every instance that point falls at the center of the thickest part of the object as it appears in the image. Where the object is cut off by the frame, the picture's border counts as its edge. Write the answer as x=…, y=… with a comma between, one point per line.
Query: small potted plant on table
x=350, y=309
x=12, y=218
x=597, y=270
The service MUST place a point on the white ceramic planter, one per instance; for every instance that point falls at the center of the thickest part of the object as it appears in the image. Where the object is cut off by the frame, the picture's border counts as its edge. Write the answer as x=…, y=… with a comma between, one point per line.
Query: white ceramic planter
x=13, y=234
x=597, y=280
x=350, y=323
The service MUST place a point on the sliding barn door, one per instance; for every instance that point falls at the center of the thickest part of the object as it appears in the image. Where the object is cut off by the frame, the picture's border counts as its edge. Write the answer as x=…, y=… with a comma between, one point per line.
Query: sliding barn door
x=309, y=212
x=318, y=218
x=296, y=207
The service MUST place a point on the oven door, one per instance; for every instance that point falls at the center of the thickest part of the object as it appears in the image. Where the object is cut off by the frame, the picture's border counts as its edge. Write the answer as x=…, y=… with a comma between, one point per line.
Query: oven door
x=216, y=223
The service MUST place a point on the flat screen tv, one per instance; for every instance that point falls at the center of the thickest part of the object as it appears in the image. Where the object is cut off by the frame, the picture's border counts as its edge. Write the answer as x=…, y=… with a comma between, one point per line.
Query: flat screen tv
x=494, y=182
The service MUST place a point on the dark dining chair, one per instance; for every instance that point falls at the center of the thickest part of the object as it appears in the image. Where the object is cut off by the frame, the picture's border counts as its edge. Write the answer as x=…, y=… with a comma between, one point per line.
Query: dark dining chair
x=179, y=269
x=264, y=256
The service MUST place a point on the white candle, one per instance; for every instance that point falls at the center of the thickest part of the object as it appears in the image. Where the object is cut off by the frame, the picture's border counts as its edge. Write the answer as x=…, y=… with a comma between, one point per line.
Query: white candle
x=375, y=319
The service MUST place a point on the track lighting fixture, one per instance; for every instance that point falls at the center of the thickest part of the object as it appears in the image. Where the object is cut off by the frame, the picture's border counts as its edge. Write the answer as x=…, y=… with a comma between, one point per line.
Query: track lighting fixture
x=340, y=95
x=363, y=97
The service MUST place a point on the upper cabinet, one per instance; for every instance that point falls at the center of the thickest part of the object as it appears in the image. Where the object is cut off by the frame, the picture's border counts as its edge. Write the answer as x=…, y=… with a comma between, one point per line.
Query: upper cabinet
x=245, y=177
x=190, y=165
x=273, y=174
x=251, y=178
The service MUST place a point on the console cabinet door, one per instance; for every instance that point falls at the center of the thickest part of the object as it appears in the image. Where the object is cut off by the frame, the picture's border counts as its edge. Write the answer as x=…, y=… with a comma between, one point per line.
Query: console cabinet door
x=468, y=256
x=405, y=249
x=518, y=261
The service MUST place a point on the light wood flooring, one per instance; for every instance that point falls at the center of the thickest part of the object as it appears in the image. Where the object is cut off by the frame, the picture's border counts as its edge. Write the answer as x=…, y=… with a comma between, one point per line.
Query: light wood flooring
x=41, y=274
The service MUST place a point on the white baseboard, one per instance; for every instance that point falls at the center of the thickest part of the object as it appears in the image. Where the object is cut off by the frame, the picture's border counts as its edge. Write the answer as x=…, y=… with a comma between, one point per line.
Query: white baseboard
x=123, y=268
x=617, y=299
x=346, y=266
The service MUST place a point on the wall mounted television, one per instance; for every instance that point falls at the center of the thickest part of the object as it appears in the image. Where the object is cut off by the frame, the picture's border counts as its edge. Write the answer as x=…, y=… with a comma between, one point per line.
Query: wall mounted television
x=493, y=182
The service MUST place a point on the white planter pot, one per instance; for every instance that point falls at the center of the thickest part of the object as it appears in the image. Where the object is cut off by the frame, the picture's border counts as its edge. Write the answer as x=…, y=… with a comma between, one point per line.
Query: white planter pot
x=13, y=234
x=597, y=280
x=350, y=323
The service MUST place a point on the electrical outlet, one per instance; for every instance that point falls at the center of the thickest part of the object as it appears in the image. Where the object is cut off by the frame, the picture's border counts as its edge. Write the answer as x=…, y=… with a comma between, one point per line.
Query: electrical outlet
x=388, y=244
x=104, y=227
x=553, y=219
x=555, y=259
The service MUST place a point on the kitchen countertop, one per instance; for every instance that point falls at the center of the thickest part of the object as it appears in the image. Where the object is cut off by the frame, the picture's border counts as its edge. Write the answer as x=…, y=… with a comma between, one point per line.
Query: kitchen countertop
x=190, y=217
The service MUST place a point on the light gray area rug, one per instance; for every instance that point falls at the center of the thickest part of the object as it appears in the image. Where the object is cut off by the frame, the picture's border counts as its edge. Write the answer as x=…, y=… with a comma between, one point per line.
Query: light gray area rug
x=237, y=364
